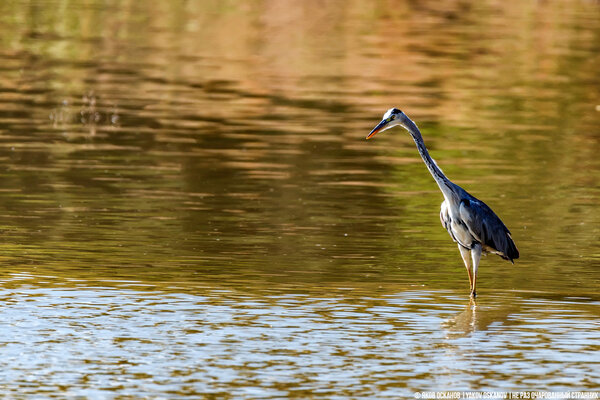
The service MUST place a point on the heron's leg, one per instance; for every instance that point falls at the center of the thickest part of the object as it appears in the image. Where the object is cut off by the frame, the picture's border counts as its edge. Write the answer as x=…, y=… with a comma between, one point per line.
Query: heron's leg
x=476, y=255
x=464, y=253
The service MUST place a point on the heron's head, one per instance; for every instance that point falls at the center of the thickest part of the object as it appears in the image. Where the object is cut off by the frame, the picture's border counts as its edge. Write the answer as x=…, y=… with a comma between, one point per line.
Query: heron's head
x=391, y=118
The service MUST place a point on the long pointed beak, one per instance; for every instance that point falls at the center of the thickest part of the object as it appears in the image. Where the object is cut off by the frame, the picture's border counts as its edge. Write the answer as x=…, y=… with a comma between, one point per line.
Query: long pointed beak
x=379, y=127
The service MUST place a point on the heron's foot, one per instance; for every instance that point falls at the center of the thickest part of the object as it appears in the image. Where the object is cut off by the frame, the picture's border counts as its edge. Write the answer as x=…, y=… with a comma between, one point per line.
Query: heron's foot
x=473, y=294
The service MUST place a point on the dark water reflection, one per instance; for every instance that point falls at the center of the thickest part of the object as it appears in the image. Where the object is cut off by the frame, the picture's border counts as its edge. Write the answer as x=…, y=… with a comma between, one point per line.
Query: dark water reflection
x=188, y=204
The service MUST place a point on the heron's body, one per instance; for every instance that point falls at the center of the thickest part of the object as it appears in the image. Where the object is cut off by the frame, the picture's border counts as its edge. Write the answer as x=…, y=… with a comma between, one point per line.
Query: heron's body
x=469, y=221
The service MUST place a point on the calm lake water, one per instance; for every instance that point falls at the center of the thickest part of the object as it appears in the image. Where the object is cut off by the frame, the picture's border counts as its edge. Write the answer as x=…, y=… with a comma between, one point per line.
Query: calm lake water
x=188, y=206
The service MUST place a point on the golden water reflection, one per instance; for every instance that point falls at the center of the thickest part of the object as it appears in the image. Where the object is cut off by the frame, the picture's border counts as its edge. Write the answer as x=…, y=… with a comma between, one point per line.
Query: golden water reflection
x=188, y=204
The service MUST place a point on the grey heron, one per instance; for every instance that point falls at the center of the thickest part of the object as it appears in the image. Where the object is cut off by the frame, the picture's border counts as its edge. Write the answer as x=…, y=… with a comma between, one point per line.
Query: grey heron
x=469, y=221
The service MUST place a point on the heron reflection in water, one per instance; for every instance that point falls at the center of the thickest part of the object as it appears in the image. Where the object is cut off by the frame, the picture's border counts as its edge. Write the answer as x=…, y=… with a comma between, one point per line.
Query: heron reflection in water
x=469, y=221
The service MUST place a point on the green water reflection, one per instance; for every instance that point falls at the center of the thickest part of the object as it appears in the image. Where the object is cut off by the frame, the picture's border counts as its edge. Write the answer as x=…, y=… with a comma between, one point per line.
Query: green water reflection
x=197, y=148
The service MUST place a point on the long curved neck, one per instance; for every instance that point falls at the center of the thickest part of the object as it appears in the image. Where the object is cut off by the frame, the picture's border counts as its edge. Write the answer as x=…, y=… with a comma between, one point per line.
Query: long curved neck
x=446, y=186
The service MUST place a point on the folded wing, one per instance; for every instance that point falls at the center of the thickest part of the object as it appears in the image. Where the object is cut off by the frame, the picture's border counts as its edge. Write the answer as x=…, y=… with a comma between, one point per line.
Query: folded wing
x=485, y=226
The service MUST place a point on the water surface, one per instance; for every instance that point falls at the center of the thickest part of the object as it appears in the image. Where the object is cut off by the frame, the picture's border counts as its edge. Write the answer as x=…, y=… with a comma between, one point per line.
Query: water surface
x=188, y=204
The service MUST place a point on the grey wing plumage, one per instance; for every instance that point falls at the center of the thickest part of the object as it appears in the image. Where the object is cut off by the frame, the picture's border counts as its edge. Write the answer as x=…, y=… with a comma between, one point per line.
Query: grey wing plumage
x=485, y=226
